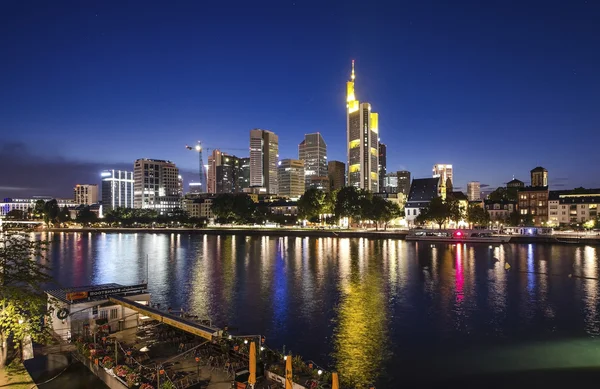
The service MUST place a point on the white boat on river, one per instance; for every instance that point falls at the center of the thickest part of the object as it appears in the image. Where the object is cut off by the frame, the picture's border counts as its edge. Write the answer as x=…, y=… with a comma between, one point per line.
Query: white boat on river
x=456, y=236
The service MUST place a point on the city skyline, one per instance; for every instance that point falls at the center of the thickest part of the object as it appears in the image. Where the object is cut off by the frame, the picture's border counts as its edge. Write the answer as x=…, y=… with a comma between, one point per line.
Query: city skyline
x=72, y=95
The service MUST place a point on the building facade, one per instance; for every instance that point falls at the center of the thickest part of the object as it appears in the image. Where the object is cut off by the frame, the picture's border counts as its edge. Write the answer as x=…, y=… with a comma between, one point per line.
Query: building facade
x=27, y=205
x=403, y=182
x=117, y=189
x=85, y=194
x=200, y=207
x=382, y=166
x=336, y=170
x=291, y=178
x=568, y=207
x=156, y=185
x=539, y=177
x=533, y=205
x=473, y=190
x=390, y=183
x=362, y=132
x=321, y=183
x=422, y=191
x=444, y=173
x=244, y=179
x=313, y=152
x=264, y=157
x=214, y=160
x=225, y=173
x=501, y=210
x=533, y=200
x=514, y=183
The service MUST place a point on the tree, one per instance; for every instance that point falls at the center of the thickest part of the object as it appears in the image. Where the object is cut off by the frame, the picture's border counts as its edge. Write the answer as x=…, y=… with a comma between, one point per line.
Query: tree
x=311, y=204
x=439, y=212
x=38, y=209
x=527, y=220
x=231, y=207
x=347, y=202
x=365, y=205
x=85, y=216
x=23, y=305
x=64, y=215
x=16, y=214
x=515, y=218
x=51, y=211
x=382, y=211
x=455, y=211
x=477, y=215
x=503, y=193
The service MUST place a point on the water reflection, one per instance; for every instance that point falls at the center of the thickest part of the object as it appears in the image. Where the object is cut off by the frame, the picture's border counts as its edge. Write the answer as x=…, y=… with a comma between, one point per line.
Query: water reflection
x=361, y=335
x=364, y=306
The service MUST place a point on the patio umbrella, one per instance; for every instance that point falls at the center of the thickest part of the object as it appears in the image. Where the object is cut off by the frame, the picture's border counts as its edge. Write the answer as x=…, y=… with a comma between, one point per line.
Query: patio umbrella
x=252, y=368
x=288, y=373
x=334, y=381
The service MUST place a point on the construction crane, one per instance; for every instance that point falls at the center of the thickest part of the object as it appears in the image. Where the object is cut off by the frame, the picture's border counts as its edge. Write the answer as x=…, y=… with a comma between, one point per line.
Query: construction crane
x=202, y=170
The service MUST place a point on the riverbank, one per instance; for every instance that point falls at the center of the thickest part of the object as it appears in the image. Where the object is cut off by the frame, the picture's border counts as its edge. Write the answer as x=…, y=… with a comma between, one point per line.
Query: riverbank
x=593, y=240
x=16, y=378
x=295, y=232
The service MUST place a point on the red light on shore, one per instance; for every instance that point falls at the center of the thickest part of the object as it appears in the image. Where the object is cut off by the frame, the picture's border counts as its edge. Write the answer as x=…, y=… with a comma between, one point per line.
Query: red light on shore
x=458, y=233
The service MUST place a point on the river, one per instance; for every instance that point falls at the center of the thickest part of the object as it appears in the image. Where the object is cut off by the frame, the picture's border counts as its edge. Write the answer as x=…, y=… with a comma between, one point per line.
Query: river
x=378, y=311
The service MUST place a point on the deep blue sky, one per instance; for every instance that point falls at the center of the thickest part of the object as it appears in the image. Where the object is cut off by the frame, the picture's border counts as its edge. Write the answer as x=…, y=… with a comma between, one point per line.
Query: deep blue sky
x=495, y=88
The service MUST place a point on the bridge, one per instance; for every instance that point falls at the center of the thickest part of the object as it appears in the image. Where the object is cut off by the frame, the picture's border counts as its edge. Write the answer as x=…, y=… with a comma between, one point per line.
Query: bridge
x=191, y=327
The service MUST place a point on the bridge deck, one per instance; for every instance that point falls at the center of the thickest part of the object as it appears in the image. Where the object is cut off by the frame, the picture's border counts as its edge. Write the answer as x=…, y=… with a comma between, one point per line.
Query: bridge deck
x=192, y=327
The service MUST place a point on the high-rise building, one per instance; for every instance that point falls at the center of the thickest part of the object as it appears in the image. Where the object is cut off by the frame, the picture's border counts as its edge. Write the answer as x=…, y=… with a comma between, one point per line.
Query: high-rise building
x=264, y=155
x=244, y=178
x=156, y=185
x=85, y=194
x=313, y=152
x=362, y=131
x=195, y=187
x=225, y=173
x=382, y=166
x=474, y=190
x=539, y=177
x=117, y=189
x=214, y=160
x=403, y=182
x=390, y=183
x=291, y=178
x=336, y=170
x=444, y=173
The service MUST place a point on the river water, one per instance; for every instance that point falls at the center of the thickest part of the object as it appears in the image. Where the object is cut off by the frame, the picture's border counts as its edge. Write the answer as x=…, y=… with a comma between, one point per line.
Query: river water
x=378, y=311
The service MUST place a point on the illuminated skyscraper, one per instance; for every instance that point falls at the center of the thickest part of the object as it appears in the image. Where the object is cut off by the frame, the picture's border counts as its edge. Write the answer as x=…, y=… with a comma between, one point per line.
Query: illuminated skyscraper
x=337, y=174
x=85, y=194
x=117, y=189
x=382, y=166
x=474, y=190
x=291, y=178
x=264, y=155
x=156, y=185
x=313, y=151
x=444, y=173
x=362, y=132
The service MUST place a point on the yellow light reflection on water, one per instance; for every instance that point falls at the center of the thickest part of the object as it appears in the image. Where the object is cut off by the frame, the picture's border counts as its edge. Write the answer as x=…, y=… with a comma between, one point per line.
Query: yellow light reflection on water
x=360, y=337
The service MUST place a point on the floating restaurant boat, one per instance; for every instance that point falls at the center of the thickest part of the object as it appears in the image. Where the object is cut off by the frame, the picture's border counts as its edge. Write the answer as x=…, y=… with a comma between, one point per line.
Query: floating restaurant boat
x=456, y=236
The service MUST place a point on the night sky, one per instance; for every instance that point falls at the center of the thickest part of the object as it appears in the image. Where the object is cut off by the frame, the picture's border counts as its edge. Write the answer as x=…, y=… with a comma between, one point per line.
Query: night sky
x=494, y=89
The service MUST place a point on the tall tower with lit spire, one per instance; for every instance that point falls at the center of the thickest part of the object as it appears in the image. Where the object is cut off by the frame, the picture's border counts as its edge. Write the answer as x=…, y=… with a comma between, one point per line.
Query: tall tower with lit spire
x=362, y=130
